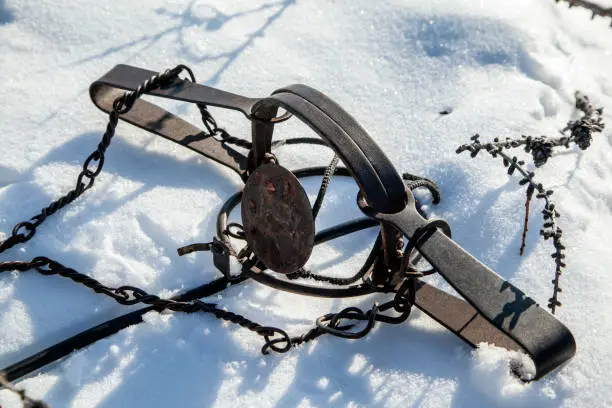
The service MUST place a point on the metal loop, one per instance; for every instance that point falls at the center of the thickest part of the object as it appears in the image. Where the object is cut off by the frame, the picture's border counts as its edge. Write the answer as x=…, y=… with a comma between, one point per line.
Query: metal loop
x=271, y=344
x=432, y=224
x=82, y=186
x=119, y=104
x=405, y=296
x=350, y=313
x=420, y=235
x=40, y=261
x=270, y=158
x=238, y=234
x=95, y=157
x=129, y=295
x=181, y=67
x=279, y=119
x=46, y=267
x=30, y=230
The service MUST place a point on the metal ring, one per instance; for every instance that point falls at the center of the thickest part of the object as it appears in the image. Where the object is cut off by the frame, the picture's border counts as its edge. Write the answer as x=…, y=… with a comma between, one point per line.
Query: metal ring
x=238, y=234
x=28, y=226
x=363, y=204
x=119, y=105
x=272, y=343
x=350, y=313
x=183, y=67
x=89, y=184
x=279, y=119
x=96, y=157
x=40, y=261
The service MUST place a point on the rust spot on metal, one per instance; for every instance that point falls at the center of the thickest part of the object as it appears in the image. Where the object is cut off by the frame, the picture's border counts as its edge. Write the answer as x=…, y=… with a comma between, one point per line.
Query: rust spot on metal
x=270, y=187
x=279, y=227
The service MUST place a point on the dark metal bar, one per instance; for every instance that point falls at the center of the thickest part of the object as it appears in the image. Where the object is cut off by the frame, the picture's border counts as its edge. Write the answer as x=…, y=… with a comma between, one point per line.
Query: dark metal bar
x=156, y=120
x=127, y=77
x=262, y=129
x=544, y=338
x=103, y=330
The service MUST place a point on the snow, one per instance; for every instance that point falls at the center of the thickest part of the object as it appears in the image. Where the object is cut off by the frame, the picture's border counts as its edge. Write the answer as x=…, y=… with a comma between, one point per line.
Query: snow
x=502, y=68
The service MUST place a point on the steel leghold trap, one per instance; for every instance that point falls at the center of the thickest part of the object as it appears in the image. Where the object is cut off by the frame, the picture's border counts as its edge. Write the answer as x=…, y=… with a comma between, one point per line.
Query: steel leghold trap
x=279, y=231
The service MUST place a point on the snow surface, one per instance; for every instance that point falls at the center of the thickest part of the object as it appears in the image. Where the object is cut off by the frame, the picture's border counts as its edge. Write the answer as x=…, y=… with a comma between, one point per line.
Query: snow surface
x=503, y=68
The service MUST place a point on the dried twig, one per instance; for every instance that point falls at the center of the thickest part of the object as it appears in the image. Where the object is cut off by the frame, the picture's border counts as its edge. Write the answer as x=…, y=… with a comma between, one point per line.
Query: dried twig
x=530, y=191
x=595, y=9
x=550, y=214
x=579, y=132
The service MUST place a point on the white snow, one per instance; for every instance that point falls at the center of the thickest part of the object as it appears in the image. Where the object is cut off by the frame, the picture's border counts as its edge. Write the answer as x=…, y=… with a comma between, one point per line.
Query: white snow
x=502, y=68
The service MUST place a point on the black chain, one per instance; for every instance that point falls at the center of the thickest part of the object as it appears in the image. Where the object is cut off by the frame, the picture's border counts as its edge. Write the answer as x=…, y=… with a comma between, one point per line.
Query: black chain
x=413, y=182
x=214, y=130
x=329, y=172
x=131, y=295
x=275, y=339
x=402, y=303
x=92, y=167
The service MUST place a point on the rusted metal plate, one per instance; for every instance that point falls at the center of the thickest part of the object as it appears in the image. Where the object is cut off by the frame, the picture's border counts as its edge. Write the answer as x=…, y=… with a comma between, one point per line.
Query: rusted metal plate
x=277, y=218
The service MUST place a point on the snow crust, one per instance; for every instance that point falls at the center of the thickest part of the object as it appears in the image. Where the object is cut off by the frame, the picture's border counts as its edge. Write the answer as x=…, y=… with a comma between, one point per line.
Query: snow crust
x=502, y=68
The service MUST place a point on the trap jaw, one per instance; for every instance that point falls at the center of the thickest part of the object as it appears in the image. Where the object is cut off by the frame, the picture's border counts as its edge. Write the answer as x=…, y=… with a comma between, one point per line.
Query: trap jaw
x=494, y=311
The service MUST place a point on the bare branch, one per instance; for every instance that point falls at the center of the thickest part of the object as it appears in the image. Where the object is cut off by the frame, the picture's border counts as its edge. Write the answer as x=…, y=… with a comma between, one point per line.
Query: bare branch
x=596, y=10
x=579, y=132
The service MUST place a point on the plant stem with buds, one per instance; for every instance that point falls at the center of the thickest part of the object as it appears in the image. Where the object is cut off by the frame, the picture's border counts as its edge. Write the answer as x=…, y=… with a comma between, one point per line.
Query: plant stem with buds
x=596, y=9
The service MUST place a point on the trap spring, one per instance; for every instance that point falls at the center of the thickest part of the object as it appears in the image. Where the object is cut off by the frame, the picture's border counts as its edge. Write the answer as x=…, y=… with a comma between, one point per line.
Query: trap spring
x=279, y=234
